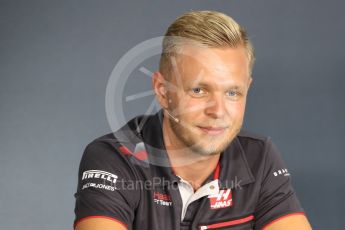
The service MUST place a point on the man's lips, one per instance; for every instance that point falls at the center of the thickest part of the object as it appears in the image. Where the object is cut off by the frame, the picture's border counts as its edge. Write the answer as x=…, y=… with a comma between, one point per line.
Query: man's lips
x=212, y=130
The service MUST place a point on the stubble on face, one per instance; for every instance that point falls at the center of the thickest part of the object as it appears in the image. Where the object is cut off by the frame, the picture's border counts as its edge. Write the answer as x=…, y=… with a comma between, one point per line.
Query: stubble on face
x=204, y=145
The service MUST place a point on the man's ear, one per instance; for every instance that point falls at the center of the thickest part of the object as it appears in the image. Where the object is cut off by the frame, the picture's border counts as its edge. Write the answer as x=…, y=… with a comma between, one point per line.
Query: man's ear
x=159, y=86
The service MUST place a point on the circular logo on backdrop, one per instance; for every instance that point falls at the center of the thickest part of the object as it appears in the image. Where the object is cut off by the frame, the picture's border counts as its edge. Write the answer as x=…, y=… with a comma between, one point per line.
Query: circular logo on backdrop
x=130, y=64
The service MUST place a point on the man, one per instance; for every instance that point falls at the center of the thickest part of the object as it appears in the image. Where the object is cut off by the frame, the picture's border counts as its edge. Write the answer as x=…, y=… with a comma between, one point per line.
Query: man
x=196, y=169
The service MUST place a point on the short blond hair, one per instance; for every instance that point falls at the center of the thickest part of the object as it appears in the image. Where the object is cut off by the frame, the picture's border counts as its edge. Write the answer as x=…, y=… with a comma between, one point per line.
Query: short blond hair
x=208, y=28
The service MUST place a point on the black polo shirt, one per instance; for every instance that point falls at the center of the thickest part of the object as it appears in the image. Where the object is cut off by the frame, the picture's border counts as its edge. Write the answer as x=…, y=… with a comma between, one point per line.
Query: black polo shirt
x=126, y=176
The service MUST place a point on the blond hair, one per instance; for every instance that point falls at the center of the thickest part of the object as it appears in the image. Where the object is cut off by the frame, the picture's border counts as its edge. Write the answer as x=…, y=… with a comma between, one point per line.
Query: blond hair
x=208, y=28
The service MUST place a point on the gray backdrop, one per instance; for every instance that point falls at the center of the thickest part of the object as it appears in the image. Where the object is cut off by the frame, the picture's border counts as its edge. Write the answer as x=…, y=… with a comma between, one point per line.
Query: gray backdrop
x=56, y=58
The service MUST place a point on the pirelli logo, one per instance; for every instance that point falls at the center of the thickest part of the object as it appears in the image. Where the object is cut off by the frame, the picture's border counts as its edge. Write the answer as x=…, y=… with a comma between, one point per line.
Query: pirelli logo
x=99, y=174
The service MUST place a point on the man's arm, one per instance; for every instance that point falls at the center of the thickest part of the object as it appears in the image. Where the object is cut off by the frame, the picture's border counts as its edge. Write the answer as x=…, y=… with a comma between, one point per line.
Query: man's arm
x=289, y=222
x=100, y=223
x=103, y=200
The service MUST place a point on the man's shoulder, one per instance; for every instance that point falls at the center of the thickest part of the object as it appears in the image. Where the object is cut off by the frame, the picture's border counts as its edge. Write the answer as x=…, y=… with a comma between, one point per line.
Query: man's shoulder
x=125, y=144
x=102, y=147
x=108, y=154
x=113, y=142
x=105, y=141
x=258, y=149
x=126, y=135
x=254, y=145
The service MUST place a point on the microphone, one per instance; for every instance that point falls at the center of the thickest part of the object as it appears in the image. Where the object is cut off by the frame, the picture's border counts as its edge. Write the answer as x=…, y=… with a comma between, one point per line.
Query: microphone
x=174, y=118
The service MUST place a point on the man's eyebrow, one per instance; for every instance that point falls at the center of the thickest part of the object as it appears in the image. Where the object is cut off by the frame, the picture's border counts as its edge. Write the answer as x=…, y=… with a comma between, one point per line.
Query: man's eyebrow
x=206, y=85
x=196, y=83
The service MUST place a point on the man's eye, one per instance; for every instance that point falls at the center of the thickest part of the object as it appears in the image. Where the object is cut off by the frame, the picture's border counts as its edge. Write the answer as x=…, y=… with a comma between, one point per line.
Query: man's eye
x=197, y=90
x=233, y=93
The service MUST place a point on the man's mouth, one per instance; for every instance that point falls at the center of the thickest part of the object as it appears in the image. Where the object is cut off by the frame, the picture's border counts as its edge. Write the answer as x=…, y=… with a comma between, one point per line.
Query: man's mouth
x=211, y=130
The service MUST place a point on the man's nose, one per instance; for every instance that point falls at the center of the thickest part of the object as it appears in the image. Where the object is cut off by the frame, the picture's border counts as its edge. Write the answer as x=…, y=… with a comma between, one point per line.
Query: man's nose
x=216, y=106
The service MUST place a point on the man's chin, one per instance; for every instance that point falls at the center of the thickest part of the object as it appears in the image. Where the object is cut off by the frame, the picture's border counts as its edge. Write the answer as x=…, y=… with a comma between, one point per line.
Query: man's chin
x=206, y=150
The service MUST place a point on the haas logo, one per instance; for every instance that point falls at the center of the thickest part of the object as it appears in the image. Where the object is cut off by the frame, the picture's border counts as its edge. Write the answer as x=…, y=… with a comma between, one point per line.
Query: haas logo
x=222, y=200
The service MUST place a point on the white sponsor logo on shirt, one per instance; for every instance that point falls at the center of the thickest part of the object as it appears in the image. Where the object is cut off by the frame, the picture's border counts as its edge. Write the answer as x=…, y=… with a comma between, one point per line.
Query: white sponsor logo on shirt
x=99, y=174
x=281, y=172
x=108, y=179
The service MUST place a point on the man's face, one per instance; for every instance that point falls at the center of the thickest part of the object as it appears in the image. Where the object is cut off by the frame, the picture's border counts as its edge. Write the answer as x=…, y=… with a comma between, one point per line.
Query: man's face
x=208, y=89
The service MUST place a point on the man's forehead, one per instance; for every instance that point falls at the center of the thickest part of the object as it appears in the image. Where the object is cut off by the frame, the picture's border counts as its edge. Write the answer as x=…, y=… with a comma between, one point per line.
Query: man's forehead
x=205, y=77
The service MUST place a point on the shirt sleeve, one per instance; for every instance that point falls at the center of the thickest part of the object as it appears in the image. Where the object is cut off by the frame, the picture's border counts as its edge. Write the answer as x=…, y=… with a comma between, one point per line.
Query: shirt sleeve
x=102, y=181
x=277, y=197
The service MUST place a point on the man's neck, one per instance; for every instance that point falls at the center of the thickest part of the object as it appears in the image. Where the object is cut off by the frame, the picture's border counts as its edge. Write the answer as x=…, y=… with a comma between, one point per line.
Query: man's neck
x=192, y=167
x=196, y=173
